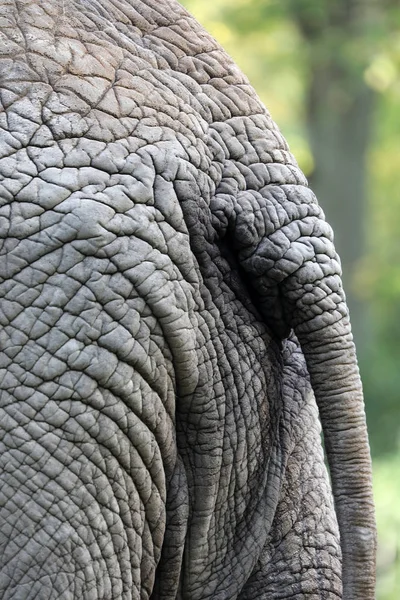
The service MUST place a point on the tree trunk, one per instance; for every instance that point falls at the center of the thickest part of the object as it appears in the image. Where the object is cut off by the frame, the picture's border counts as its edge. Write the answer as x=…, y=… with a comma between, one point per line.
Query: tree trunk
x=339, y=115
x=339, y=109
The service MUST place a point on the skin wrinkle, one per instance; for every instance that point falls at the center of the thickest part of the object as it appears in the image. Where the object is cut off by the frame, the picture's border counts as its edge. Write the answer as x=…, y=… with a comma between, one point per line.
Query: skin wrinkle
x=160, y=183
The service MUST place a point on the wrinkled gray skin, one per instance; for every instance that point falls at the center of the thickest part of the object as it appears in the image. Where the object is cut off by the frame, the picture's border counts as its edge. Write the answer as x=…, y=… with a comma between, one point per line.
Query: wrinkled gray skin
x=169, y=288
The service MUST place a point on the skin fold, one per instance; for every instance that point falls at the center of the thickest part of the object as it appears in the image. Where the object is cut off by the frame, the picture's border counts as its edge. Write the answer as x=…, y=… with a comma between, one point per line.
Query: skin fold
x=172, y=327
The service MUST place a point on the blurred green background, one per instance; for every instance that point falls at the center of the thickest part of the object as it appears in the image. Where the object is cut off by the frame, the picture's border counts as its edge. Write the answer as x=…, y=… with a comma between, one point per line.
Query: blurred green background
x=329, y=73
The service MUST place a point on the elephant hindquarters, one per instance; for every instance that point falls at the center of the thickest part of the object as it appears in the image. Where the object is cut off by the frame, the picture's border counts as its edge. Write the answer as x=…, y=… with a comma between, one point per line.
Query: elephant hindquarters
x=88, y=388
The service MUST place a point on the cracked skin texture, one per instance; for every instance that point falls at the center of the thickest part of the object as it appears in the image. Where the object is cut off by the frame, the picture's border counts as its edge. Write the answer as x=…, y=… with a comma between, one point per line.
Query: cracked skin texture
x=170, y=297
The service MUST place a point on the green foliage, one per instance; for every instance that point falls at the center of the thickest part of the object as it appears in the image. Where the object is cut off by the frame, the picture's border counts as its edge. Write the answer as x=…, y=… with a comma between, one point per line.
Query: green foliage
x=279, y=44
x=387, y=494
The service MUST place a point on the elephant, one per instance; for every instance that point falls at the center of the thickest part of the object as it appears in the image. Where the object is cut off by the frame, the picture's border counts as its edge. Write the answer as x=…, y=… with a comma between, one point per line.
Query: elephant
x=174, y=331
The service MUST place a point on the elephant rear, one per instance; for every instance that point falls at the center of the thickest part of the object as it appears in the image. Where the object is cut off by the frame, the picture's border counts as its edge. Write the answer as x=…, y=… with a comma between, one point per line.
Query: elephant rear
x=158, y=434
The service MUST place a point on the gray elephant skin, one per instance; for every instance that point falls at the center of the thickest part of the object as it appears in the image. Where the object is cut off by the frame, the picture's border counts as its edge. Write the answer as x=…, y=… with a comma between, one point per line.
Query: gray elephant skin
x=173, y=327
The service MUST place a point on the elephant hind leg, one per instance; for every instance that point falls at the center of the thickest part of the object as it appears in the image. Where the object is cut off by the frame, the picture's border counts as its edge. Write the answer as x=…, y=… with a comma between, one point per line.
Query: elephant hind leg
x=302, y=556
